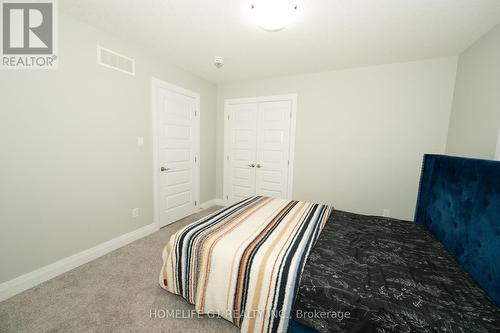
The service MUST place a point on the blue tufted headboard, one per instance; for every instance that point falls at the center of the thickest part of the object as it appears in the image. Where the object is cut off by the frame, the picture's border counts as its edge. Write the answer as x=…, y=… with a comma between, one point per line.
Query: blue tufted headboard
x=459, y=202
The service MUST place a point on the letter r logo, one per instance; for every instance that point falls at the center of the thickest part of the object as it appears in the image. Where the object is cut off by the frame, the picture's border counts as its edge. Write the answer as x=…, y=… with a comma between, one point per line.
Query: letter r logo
x=27, y=27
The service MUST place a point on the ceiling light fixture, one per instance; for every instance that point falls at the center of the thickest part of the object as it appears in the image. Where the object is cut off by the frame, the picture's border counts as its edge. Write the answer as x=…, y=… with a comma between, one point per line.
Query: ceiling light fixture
x=273, y=15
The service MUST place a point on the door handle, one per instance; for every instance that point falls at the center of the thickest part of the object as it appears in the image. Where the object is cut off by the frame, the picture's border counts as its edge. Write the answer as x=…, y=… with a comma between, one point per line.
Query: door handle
x=259, y=166
x=252, y=165
x=163, y=169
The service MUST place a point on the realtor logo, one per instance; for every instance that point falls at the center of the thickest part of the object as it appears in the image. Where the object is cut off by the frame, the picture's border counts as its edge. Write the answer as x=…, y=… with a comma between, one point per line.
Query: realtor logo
x=28, y=34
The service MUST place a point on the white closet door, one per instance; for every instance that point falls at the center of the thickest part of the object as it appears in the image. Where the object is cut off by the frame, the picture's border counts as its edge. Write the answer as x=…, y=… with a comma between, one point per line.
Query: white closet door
x=273, y=148
x=242, y=151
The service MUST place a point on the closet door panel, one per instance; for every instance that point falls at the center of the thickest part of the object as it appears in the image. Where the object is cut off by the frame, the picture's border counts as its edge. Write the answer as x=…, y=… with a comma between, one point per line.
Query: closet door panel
x=273, y=144
x=243, y=150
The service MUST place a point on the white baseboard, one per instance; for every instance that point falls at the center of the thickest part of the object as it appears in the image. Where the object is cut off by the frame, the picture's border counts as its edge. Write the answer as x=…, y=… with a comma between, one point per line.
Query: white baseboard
x=221, y=202
x=497, y=154
x=208, y=204
x=31, y=279
x=213, y=202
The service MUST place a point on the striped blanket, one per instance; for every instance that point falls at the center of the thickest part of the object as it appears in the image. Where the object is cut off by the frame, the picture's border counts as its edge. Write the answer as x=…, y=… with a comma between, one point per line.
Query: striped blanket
x=244, y=262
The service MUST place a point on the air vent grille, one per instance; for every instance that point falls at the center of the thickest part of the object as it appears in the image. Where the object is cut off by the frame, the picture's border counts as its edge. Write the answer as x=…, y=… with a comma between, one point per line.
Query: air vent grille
x=116, y=61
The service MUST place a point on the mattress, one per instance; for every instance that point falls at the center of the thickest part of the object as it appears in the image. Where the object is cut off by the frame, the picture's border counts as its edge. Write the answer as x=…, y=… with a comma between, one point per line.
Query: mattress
x=374, y=274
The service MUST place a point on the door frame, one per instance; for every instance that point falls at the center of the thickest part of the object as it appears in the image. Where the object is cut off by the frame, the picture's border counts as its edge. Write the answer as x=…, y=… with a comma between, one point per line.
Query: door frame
x=156, y=84
x=261, y=99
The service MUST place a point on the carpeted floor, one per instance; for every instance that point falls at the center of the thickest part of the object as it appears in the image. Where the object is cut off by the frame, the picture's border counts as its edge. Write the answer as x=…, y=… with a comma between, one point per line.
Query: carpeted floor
x=118, y=292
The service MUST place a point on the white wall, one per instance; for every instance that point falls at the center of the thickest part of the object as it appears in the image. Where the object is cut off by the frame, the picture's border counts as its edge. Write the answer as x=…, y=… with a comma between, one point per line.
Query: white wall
x=475, y=120
x=361, y=133
x=70, y=170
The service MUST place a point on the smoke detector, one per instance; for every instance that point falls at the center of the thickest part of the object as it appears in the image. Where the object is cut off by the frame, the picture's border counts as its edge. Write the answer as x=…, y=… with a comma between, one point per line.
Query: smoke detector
x=218, y=62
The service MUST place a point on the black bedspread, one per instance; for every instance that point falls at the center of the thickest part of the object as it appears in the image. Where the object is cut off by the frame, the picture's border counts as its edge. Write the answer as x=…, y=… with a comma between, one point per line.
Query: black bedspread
x=391, y=276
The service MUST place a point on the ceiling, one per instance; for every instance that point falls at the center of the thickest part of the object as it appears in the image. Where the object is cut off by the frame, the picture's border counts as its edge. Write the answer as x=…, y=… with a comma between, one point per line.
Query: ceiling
x=328, y=34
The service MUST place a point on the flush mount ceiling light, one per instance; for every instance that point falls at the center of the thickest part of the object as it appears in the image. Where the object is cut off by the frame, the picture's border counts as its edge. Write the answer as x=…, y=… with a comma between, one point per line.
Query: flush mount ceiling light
x=273, y=15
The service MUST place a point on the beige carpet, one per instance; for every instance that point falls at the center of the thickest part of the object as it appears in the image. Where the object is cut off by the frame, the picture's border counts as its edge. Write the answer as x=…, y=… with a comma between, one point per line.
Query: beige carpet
x=114, y=293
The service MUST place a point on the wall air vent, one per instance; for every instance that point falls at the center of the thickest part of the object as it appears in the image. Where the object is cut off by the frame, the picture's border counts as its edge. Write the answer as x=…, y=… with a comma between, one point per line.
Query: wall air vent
x=116, y=61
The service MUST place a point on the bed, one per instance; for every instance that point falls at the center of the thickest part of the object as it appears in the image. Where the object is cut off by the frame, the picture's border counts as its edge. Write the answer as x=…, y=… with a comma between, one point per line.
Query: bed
x=390, y=276
x=356, y=273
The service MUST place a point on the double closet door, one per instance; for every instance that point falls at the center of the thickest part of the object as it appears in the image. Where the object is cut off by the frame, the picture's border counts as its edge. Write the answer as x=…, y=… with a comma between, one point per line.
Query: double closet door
x=258, y=148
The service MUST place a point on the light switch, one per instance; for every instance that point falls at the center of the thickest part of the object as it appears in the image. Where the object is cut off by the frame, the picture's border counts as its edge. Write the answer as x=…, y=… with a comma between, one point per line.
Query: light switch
x=140, y=141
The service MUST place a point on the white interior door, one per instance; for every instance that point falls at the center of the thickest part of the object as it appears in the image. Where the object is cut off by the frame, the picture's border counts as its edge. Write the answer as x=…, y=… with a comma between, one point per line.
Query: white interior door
x=259, y=137
x=243, y=150
x=273, y=143
x=177, y=154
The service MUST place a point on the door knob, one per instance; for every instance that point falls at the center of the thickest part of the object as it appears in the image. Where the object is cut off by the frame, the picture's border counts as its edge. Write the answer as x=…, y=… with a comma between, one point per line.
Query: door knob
x=259, y=166
x=163, y=169
x=252, y=165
